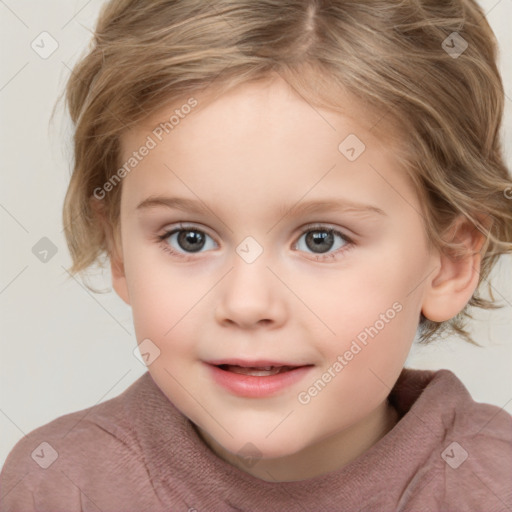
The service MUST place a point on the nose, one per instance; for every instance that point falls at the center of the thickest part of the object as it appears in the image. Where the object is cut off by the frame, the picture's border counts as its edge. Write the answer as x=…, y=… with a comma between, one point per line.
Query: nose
x=251, y=296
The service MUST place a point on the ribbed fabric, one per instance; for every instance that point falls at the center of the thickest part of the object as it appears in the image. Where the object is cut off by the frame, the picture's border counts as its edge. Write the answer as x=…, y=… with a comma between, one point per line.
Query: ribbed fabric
x=137, y=452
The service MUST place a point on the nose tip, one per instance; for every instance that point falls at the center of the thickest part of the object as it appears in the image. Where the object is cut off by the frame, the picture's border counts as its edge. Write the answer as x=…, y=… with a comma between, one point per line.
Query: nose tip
x=248, y=298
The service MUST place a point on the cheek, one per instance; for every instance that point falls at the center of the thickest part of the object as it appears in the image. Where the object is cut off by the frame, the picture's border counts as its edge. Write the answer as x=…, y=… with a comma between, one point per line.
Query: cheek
x=362, y=295
x=374, y=317
x=362, y=366
x=160, y=295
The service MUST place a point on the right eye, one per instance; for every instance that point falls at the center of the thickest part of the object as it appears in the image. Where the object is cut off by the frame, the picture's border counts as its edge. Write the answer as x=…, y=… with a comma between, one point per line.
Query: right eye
x=184, y=241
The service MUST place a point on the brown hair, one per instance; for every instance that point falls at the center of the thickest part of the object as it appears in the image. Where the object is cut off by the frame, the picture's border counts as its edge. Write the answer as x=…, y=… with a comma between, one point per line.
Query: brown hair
x=398, y=57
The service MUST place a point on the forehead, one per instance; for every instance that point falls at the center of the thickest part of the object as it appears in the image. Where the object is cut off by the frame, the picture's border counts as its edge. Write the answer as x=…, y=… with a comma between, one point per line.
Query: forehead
x=259, y=137
x=270, y=102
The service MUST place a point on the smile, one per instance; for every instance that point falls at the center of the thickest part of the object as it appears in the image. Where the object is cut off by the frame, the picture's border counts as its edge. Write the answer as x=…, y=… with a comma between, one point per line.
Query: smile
x=255, y=379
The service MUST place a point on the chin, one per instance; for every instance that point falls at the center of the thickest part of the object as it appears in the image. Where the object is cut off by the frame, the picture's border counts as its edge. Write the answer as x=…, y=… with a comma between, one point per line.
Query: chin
x=255, y=445
x=253, y=436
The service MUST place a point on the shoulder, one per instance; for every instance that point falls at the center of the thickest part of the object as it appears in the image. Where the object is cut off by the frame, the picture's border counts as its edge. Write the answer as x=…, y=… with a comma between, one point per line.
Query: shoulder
x=471, y=465
x=442, y=400
x=55, y=465
x=482, y=426
x=478, y=456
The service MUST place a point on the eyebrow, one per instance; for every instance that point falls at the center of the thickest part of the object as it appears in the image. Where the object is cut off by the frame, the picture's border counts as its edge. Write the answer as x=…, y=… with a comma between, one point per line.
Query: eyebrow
x=306, y=207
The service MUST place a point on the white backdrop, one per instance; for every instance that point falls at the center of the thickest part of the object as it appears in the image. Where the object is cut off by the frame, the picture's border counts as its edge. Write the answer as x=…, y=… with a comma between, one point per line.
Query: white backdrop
x=63, y=348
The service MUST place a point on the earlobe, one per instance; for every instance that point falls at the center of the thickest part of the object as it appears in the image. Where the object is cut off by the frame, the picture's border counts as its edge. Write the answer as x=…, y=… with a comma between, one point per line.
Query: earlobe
x=457, y=275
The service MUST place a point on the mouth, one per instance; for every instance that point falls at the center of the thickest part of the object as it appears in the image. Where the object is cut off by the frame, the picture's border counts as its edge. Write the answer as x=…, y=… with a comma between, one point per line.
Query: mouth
x=258, y=378
x=256, y=371
x=257, y=368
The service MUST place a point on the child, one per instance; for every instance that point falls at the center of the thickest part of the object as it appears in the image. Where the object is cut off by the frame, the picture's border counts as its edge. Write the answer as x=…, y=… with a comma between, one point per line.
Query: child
x=258, y=130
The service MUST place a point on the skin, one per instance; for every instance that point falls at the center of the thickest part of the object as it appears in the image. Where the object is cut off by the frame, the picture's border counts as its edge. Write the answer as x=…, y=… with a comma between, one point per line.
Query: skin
x=246, y=155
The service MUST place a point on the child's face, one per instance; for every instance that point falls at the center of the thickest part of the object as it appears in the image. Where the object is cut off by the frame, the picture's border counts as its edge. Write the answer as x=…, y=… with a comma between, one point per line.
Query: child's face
x=307, y=299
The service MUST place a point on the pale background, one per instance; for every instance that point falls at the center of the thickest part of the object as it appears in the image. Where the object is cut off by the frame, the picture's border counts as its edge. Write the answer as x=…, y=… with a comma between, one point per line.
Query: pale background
x=64, y=349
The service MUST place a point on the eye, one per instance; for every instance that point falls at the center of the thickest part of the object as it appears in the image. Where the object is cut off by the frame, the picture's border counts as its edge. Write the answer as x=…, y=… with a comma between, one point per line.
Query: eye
x=322, y=240
x=189, y=240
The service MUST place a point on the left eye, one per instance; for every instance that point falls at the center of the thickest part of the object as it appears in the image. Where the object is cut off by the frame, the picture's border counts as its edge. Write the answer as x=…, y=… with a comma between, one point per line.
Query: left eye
x=321, y=240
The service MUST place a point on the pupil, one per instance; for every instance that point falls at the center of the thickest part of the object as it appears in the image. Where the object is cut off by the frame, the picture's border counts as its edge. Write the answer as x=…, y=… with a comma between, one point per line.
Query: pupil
x=191, y=240
x=318, y=238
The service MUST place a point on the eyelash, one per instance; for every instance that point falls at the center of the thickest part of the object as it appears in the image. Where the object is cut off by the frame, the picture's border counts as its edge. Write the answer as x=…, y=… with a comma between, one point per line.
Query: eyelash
x=162, y=240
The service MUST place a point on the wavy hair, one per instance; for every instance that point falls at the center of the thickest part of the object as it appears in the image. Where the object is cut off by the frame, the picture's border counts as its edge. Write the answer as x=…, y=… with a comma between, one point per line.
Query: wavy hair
x=401, y=58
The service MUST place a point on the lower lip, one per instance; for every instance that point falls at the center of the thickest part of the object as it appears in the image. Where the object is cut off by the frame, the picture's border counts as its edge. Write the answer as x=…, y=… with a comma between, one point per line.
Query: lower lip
x=251, y=386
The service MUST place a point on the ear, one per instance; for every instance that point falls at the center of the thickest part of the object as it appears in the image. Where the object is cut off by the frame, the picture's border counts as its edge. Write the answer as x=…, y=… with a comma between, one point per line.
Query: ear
x=456, y=279
x=114, y=248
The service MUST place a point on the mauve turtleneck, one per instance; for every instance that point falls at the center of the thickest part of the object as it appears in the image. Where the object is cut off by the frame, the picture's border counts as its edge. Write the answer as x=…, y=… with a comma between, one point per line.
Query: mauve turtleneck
x=137, y=452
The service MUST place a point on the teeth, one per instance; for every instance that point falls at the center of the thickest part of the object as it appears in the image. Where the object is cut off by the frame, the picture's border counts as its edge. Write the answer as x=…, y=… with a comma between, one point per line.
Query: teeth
x=263, y=371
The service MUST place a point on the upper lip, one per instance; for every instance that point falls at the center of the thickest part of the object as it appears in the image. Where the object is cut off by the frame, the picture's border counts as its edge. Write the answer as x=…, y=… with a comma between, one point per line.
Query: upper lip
x=257, y=363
